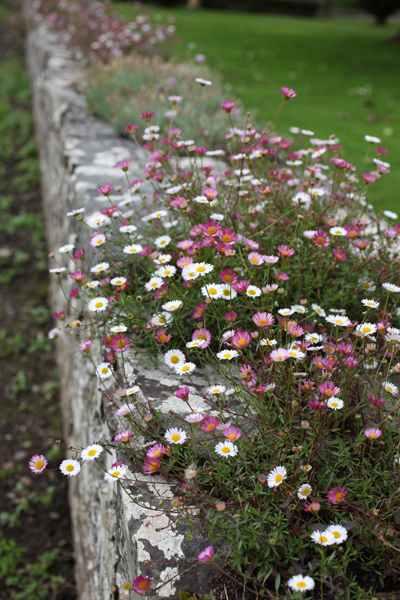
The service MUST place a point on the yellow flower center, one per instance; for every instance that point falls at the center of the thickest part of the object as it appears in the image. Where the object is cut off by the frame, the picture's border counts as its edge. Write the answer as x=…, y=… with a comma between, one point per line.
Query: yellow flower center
x=241, y=342
x=202, y=336
x=70, y=468
x=116, y=473
x=200, y=269
x=226, y=292
x=366, y=329
x=154, y=284
x=143, y=585
x=254, y=260
x=334, y=404
x=320, y=240
x=372, y=436
x=212, y=230
x=210, y=427
x=262, y=322
x=278, y=478
x=174, y=359
x=301, y=584
x=157, y=453
x=225, y=449
x=98, y=304
x=121, y=344
x=212, y=291
x=166, y=272
x=104, y=370
x=163, y=338
x=251, y=292
x=175, y=437
x=226, y=238
x=227, y=355
x=323, y=539
x=336, y=534
x=228, y=278
x=185, y=368
x=39, y=464
x=92, y=452
x=153, y=466
x=232, y=437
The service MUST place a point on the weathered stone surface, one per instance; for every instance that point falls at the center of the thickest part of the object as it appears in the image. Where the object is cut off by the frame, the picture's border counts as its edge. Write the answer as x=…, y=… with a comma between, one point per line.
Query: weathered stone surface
x=113, y=536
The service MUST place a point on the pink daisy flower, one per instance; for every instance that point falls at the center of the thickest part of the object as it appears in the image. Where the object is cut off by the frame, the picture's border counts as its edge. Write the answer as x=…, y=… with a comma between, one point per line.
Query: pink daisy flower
x=195, y=231
x=211, y=228
x=372, y=433
x=229, y=277
x=209, y=193
x=241, y=286
x=155, y=451
x=38, y=463
x=339, y=254
x=327, y=388
x=263, y=319
x=316, y=405
x=151, y=466
x=120, y=342
x=288, y=93
x=85, y=346
x=182, y=393
x=247, y=375
x=279, y=355
x=241, y=339
x=141, y=584
x=230, y=317
x=184, y=261
x=227, y=106
x=207, y=555
x=352, y=232
x=256, y=259
x=184, y=244
x=228, y=236
x=285, y=251
x=337, y=495
x=209, y=423
x=281, y=276
x=124, y=436
x=296, y=331
x=162, y=336
x=377, y=401
x=321, y=239
x=232, y=433
x=202, y=335
x=199, y=311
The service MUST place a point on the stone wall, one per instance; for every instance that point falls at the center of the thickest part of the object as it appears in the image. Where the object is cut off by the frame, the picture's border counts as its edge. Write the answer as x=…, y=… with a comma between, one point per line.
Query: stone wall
x=115, y=539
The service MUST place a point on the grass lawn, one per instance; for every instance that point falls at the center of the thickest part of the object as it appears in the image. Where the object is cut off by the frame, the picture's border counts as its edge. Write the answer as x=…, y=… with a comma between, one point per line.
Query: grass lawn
x=346, y=73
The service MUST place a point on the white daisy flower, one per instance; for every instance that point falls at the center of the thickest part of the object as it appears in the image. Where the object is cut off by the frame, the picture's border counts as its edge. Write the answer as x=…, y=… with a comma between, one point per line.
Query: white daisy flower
x=227, y=292
x=93, y=284
x=390, y=387
x=185, y=368
x=313, y=338
x=390, y=287
x=339, y=533
x=91, y=452
x=339, y=321
x=338, y=231
x=324, y=538
x=167, y=271
x=162, y=241
x=226, y=449
x=154, y=284
x=133, y=249
x=217, y=216
x=268, y=342
x=319, y=310
x=57, y=270
x=104, y=370
x=372, y=139
x=77, y=211
x=286, y=312
x=227, y=354
x=212, y=290
x=370, y=303
x=100, y=267
x=173, y=358
x=132, y=390
x=127, y=228
x=318, y=192
x=118, y=281
x=155, y=215
x=115, y=473
x=216, y=389
x=301, y=584
x=390, y=215
x=276, y=476
x=253, y=291
x=66, y=248
x=306, y=468
x=172, y=305
x=297, y=354
x=367, y=328
x=97, y=219
x=98, y=304
x=299, y=308
x=188, y=273
x=310, y=233
x=175, y=435
x=368, y=285
x=203, y=81
x=195, y=344
x=162, y=259
x=162, y=319
x=370, y=363
x=304, y=491
x=70, y=467
x=302, y=199
x=118, y=329
x=202, y=268
x=200, y=200
x=307, y=132
x=335, y=403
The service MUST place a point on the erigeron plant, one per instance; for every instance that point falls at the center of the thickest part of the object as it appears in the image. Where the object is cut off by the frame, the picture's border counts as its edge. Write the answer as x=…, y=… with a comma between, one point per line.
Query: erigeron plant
x=278, y=278
x=95, y=32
